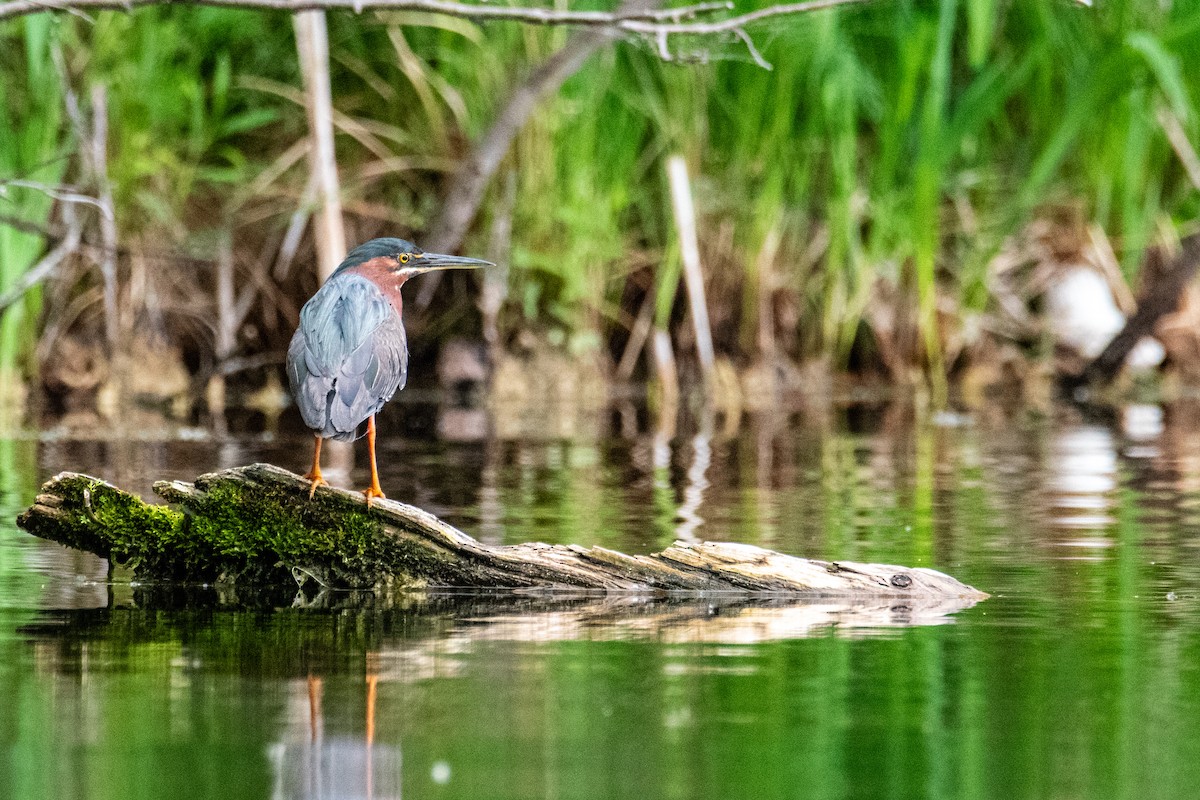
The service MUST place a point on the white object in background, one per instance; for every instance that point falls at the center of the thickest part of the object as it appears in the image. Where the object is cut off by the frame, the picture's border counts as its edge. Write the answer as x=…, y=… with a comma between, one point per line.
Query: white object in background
x=1083, y=315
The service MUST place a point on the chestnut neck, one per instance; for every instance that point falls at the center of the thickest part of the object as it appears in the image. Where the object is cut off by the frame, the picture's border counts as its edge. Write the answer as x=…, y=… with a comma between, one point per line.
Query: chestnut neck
x=381, y=272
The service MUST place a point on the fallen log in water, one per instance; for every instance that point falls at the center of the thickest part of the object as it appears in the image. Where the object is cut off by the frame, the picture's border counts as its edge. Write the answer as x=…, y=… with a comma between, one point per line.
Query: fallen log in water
x=256, y=525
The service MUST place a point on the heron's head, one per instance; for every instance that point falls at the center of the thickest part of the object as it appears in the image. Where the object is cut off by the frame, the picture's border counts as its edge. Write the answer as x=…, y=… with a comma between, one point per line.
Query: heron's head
x=406, y=259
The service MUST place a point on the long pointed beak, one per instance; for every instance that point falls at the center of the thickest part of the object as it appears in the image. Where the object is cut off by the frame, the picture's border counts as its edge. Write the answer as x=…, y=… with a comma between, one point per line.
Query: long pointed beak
x=428, y=262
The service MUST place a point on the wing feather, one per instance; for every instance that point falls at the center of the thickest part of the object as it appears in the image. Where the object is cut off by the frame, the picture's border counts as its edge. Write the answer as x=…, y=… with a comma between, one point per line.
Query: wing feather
x=348, y=357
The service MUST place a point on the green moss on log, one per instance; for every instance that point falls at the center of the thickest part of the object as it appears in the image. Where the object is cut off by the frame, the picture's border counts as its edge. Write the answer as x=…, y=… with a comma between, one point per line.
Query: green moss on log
x=257, y=532
x=98, y=517
x=231, y=533
x=267, y=517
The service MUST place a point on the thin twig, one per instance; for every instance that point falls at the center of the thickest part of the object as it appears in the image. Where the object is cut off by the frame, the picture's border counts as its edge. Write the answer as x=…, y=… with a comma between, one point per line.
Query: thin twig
x=664, y=48
x=295, y=230
x=757, y=56
x=732, y=23
x=25, y=226
x=64, y=193
x=638, y=335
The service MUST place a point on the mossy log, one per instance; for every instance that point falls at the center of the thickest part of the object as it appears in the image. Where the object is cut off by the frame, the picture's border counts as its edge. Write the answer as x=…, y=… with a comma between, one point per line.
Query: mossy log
x=256, y=525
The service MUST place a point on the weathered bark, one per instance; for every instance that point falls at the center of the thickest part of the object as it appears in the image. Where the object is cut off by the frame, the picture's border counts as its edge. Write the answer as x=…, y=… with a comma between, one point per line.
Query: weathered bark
x=256, y=525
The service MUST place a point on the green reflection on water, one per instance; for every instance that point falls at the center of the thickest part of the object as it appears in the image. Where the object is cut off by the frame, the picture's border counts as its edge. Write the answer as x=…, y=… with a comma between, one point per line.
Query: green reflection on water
x=1079, y=680
x=131, y=703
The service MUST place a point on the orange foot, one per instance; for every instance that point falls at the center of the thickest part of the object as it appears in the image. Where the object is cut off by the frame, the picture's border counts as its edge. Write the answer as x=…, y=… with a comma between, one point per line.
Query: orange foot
x=315, y=480
x=371, y=492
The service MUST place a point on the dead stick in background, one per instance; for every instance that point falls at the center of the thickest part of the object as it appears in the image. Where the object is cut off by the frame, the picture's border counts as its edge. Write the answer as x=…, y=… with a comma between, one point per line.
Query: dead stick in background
x=50, y=262
x=638, y=335
x=312, y=45
x=98, y=163
x=693, y=275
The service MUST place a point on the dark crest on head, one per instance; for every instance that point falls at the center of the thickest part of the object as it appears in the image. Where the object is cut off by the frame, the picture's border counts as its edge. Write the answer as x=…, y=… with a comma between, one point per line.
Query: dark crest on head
x=387, y=247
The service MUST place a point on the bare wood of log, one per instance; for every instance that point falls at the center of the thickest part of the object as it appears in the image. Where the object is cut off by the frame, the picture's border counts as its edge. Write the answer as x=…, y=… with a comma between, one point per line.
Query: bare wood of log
x=1160, y=299
x=256, y=525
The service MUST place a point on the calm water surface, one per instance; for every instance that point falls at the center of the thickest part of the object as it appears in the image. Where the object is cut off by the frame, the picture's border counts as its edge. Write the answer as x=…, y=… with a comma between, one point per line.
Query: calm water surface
x=1080, y=678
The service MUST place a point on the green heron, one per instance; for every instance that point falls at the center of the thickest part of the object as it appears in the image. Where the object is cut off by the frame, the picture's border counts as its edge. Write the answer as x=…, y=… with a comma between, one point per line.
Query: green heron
x=350, y=355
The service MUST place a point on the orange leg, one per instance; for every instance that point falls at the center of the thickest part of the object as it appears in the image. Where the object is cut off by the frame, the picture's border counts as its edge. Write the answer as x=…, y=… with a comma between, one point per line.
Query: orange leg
x=314, y=474
x=315, y=719
x=374, y=489
x=372, y=682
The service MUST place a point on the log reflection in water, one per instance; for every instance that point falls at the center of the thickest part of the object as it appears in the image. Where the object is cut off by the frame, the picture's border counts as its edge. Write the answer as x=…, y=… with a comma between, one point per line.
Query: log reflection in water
x=707, y=621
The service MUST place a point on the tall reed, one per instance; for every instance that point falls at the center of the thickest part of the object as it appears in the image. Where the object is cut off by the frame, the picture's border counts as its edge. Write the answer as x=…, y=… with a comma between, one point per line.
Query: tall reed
x=909, y=137
x=31, y=151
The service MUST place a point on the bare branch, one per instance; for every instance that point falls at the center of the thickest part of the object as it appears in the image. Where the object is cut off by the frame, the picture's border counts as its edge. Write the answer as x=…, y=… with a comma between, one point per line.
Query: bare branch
x=41, y=5
x=732, y=23
x=639, y=21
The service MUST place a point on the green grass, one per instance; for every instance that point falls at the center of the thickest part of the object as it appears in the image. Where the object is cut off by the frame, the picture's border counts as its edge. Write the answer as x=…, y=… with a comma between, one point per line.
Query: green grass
x=31, y=149
x=912, y=136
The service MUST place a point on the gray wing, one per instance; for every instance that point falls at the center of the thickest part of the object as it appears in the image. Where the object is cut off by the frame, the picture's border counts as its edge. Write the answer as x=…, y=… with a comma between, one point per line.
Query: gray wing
x=348, y=357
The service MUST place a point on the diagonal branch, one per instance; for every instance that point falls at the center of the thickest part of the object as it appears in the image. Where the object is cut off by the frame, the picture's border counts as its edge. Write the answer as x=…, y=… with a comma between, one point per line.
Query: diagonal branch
x=471, y=179
x=49, y=263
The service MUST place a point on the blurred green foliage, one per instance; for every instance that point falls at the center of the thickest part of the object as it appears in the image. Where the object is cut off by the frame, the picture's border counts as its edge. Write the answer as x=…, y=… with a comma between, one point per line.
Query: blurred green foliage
x=31, y=149
x=913, y=137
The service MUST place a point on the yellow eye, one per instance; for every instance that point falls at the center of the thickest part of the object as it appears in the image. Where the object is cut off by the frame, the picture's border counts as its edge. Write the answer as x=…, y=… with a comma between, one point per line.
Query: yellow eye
x=404, y=258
